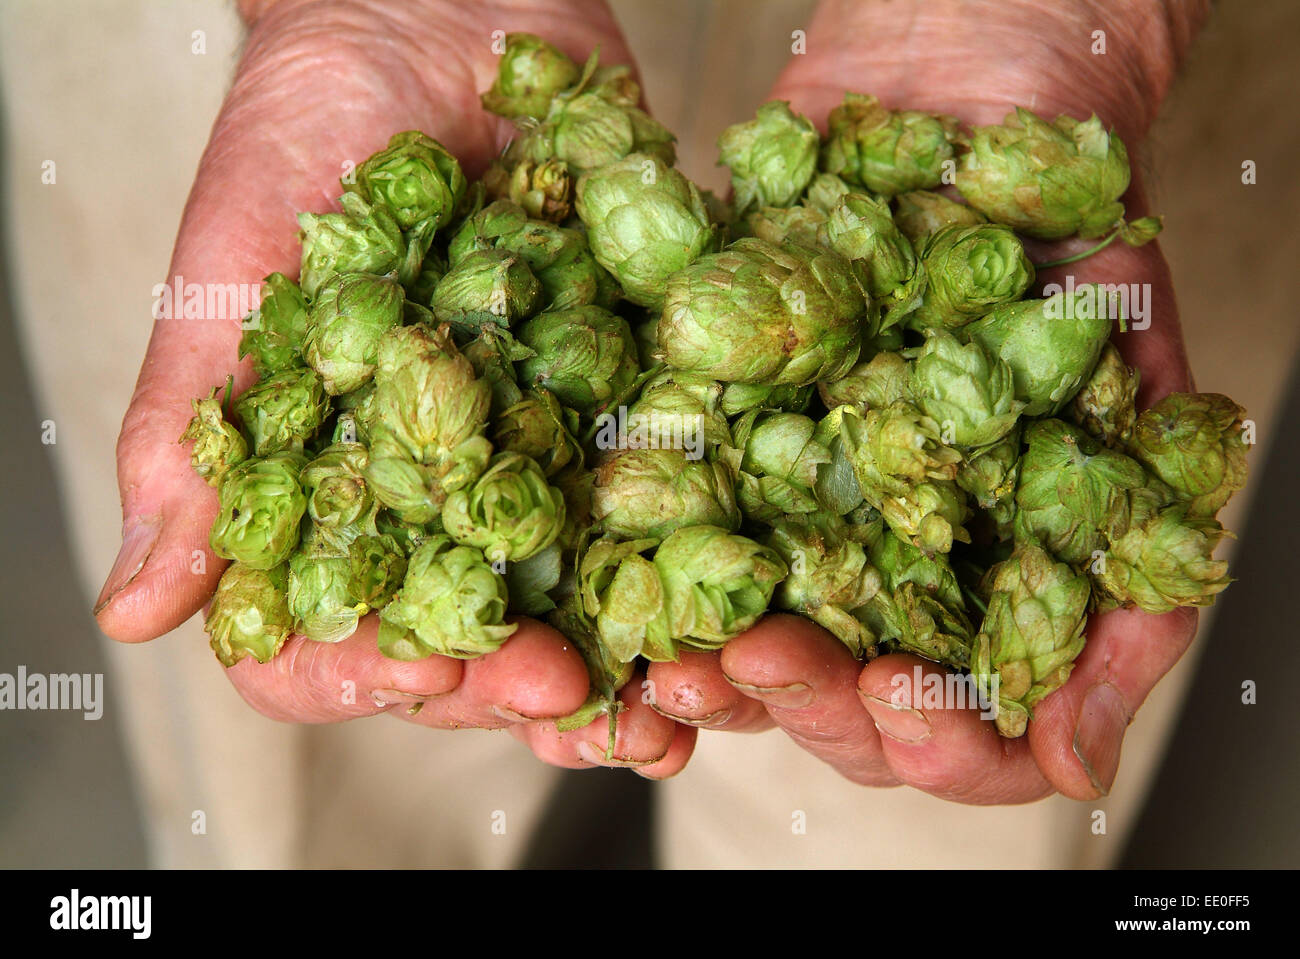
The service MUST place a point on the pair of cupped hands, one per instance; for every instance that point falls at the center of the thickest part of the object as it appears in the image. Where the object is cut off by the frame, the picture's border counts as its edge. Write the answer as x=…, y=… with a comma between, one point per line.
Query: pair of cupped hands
x=323, y=82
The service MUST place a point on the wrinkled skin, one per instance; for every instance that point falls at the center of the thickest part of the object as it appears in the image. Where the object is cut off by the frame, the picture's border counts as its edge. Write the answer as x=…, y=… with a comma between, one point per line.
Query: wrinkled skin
x=392, y=65
x=786, y=671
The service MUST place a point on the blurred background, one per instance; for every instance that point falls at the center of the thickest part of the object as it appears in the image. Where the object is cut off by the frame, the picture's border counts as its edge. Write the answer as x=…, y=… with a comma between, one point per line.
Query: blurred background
x=118, y=96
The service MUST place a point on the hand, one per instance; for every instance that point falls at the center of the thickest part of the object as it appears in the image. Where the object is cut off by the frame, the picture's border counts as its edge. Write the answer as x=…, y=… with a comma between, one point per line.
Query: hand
x=974, y=61
x=320, y=84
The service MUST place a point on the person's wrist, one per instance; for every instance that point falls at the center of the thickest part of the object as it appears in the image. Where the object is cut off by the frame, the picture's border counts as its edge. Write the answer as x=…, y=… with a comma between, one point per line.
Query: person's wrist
x=977, y=59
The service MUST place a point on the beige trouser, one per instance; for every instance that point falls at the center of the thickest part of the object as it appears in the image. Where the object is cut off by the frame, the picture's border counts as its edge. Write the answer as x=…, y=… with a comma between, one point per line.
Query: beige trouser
x=115, y=96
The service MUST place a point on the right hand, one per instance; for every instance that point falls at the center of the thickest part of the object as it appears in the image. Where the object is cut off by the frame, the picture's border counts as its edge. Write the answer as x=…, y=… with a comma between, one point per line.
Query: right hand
x=322, y=83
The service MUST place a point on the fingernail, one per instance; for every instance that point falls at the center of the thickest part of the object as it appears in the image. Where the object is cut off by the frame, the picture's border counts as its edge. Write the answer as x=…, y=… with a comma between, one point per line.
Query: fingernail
x=138, y=539
x=794, y=696
x=513, y=716
x=710, y=721
x=901, y=723
x=391, y=697
x=590, y=753
x=1100, y=734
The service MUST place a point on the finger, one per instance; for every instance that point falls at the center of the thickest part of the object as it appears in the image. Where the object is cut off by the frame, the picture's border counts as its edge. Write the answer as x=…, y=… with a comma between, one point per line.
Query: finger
x=934, y=738
x=807, y=680
x=537, y=674
x=1077, y=733
x=695, y=691
x=642, y=736
x=675, y=760
x=310, y=682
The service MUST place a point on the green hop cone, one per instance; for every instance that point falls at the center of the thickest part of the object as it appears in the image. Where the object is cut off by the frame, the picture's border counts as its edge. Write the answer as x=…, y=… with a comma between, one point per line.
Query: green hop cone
x=1046, y=180
x=969, y=270
x=492, y=354
x=486, y=286
x=274, y=332
x=1050, y=345
x=1196, y=443
x=427, y=417
x=1106, y=404
x=348, y=318
x=758, y=313
x=261, y=505
x=529, y=73
x=585, y=356
x=776, y=224
x=887, y=151
x=771, y=157
x=249, y=615
x=377, y=565
x=1031, y=635
x=598, y=123
x=218, y=444
x=623, y=595
x=283, y=411
x=884, y=380
x=971, y=397
x=414, y=179
x=861, y=230
x=339, y=500
x=829, y=577
x=510, y=512
x=906, y=472
x=675, y=409
x=1073, y=492
x=543, y=190
x=989, y=477
x=361, y=239
x=645, y=222
x=320, y=596
x=556, y=256
x=776, y=459
x=716, y=583
x=919, y=609
x=825, y=191
x=1165, y=563
x=651, y=492
x=451, y=603
x=920, y=214
x=739, y=398
x=540, y=428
